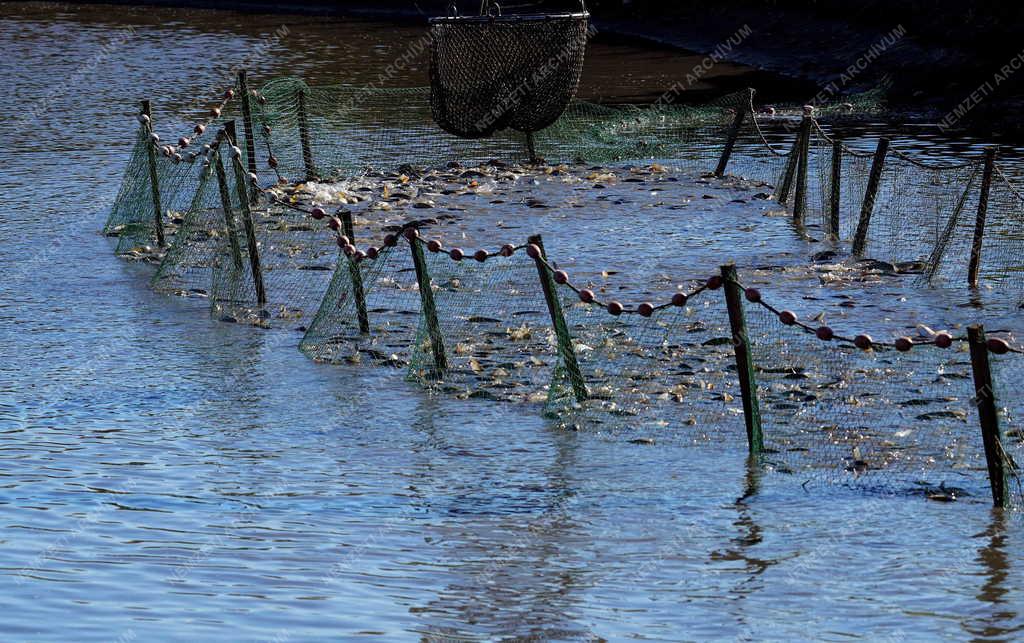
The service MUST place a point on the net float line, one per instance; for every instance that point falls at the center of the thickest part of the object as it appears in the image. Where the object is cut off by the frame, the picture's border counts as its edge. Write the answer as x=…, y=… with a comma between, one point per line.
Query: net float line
x=615, y=308
x=436, y=246
x=862, y=341
x=212, y=115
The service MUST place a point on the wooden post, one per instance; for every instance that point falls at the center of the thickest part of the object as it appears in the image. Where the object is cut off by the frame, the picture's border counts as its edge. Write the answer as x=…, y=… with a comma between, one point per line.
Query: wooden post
x=791, y=163
x=154, y=180
x=565, y=347
x=744, y=360
x=836, y=189
x=868, y=206
x=241, y=177
x=250, y=141
x=429, y=307
x=358, y=291
x=307, y=149
x=979, y=222
x=803, y=161
x=734, y=132
x=225, y=202
x=985, y=400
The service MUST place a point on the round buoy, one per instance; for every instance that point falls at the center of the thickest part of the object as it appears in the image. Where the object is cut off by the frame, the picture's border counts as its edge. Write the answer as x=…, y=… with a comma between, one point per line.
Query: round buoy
x=903, y=344
x=533, y=250
x=679, y=299
x=714, y=283
x=587, y=296
x=862, y=342
x=998, y=346
x=943, y=340
x=391, y=240
x=199, y=129
x=317, y=213
x=434, y=245
x=456, y=254
x=615, y=308
x=215, y=112
x=334, y=223
x=645, y=309
x=753, y=295
x=411, y=234
x=480, y=255
x=344, y=240
x=272, y=162
x=183, y=141
x=507, y=250
x=787, y=317
x=372, y=252
x=561, y=277
x=824, y=333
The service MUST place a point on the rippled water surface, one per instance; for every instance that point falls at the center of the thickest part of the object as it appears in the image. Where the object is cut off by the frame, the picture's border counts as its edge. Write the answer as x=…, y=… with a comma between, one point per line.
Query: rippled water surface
x=164, y=476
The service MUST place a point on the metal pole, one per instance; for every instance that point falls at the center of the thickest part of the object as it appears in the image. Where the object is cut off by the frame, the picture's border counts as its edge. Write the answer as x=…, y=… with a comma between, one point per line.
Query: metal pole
x=250, y=229
x=429, y=307
x=984, y=399
x=734, y=132
x=744, y=360
x=357, y=277
x=565, y=347
x=868, y=207
x=154, y=180
x=979, y=222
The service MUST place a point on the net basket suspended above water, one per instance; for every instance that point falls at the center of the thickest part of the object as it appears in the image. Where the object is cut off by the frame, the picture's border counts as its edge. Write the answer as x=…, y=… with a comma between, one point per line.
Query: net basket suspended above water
x=492, y=72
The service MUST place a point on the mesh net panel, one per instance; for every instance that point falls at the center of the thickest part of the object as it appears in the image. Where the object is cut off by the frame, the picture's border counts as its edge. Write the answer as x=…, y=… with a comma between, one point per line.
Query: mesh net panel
x=1007, y=373
x=668, y=373
x=494, y=328
x=393, y=312
x=878, y=420
x=520, y=72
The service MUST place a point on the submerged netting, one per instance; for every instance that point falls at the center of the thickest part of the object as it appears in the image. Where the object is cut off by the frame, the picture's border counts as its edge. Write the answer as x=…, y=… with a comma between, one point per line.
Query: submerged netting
x=880, y=420
x=493, y=326
x=490, y=73
x=392, y=298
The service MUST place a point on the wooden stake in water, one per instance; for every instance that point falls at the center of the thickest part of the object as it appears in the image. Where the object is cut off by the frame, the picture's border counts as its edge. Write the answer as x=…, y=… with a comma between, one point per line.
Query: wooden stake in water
x=802, y=166
x=565, y=347
x=744, y=360
x=870, y=194
x=250, y=141
x=154, y=180
x=979, y=222
x=734, y=132
x=836, y=190
x=419, y=260
x=985, y=400
x=791, y=163
x=357, y=277
x=241, y=179
x=307, y=149
x=225, y=202
x=531, y=148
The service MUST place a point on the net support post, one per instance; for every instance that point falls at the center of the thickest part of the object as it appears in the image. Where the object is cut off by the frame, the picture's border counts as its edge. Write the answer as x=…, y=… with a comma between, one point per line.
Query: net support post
x=531, y=148
x=802, y=167
x=565, y=347
x=744, y=360
x=974, y=266
x=867, y=208
x=307, y=149
x=225, y=202
x=358, y=291
x=790, y=173
x=250, y=228
x=988, y=417
x=733, y=134
x=419, y=260
x=154, y=179
x=835, y=191
x=250, y=141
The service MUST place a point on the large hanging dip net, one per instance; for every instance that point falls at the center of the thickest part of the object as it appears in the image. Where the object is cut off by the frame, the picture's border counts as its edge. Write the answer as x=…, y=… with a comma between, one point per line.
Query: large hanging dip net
x=492, y=72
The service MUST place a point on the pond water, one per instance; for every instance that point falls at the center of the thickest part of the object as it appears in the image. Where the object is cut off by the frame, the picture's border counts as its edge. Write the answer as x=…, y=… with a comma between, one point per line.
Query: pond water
x=165, y=476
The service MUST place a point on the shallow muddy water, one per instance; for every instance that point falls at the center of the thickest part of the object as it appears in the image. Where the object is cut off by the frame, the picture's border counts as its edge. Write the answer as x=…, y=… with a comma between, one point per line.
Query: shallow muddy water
x=165, y=476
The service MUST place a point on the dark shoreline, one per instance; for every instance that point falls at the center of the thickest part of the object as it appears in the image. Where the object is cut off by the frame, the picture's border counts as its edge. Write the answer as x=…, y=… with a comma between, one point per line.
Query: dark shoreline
x=922, y=78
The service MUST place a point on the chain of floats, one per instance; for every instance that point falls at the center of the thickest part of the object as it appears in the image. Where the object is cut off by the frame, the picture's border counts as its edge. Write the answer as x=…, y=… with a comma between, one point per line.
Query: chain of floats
x=863, y=341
